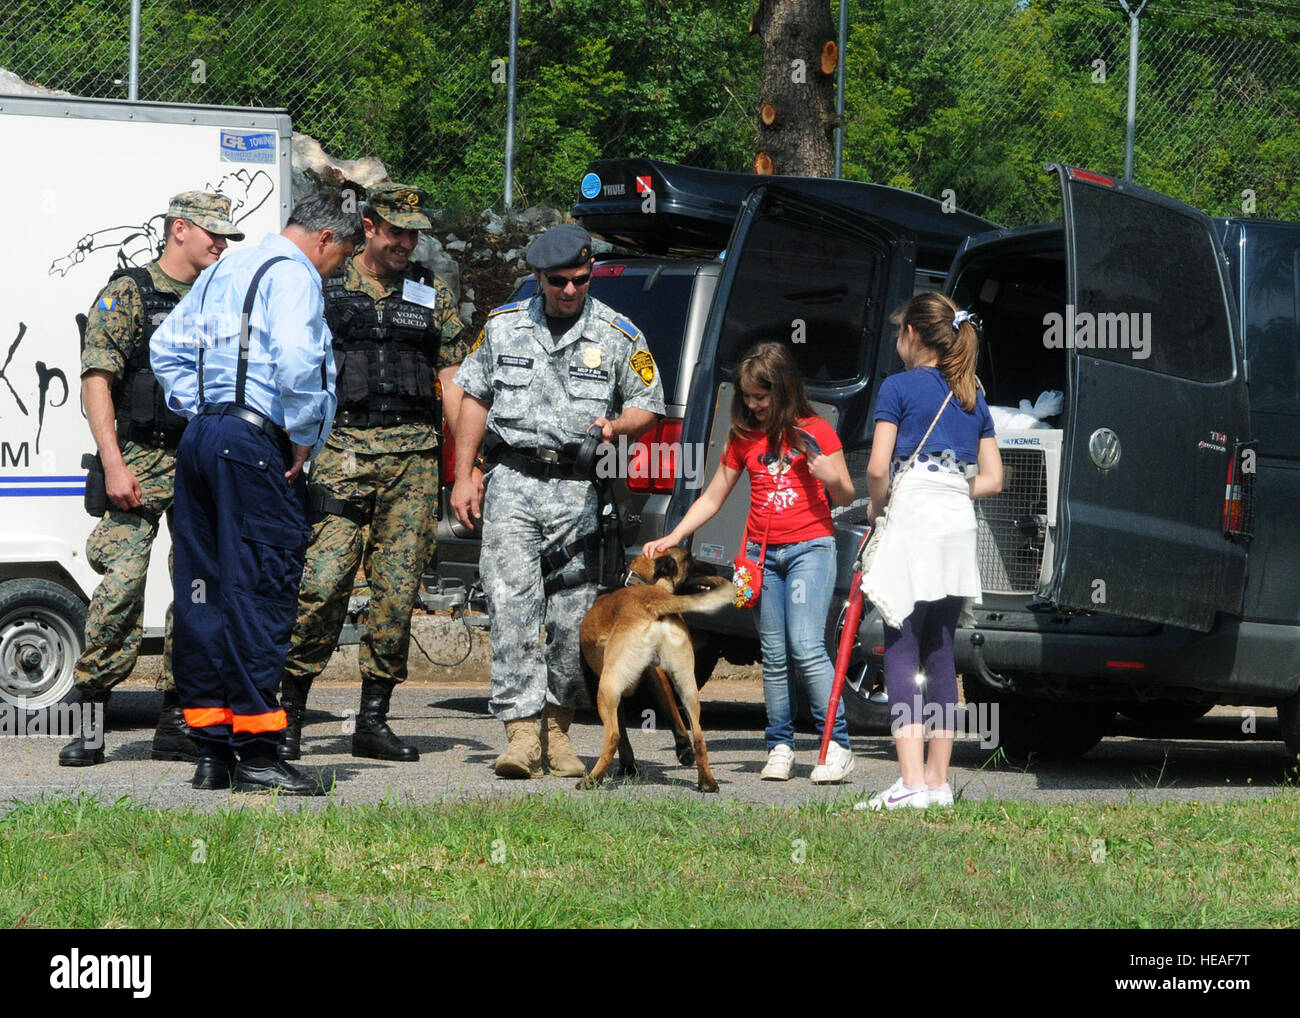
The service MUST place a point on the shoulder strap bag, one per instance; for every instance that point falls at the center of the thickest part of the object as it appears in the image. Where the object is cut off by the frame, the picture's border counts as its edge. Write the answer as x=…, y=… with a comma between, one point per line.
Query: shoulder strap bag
x=747, y=575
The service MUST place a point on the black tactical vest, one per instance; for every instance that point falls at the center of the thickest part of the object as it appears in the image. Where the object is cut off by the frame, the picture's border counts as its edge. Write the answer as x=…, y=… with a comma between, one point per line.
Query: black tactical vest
x=386, y=357
x=140, y=408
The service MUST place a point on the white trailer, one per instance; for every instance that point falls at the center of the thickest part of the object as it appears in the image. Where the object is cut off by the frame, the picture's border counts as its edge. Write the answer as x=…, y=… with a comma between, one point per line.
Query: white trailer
x=87, y=183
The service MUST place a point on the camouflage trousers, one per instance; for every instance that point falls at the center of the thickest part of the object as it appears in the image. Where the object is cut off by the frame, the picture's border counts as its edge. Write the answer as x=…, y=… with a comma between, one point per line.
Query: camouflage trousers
x=119, y=548
x=525, y=518
x=394, y=548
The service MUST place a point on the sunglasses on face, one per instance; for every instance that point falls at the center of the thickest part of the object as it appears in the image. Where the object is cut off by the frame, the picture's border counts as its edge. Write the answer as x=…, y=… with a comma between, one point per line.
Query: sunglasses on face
x=560, y=282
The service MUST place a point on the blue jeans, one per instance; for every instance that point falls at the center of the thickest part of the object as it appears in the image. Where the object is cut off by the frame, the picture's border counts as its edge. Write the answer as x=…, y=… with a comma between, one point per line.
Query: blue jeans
x=798, y=580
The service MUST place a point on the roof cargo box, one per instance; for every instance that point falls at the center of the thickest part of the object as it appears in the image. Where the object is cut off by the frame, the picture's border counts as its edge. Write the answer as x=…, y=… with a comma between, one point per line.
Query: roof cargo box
x=693, y=210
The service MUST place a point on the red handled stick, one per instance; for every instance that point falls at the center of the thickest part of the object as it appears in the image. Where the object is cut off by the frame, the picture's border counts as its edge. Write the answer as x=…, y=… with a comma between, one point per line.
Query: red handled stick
x=847, y=635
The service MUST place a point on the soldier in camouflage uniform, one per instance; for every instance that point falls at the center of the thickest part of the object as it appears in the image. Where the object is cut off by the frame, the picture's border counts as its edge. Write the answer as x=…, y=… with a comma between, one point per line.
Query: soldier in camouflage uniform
x=394, y=326
x=541, y=374
x=136, y=436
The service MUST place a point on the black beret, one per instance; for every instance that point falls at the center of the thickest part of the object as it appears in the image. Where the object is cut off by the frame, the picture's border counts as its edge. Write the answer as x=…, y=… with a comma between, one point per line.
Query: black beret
x=561, y=247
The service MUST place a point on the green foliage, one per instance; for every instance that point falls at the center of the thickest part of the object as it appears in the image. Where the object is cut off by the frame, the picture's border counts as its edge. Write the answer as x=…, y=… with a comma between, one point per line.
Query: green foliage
x=977, y=97
x=974, y=96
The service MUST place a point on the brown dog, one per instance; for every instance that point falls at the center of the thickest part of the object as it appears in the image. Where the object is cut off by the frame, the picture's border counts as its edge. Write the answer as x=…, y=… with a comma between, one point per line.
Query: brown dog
x=636, y=632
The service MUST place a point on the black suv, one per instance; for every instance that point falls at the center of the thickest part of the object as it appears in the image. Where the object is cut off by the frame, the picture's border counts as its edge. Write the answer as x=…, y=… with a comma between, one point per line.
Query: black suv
x=1143, y=553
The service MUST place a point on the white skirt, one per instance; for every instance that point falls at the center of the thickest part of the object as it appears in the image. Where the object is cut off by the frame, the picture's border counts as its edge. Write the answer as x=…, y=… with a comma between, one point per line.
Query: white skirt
x=927, y=551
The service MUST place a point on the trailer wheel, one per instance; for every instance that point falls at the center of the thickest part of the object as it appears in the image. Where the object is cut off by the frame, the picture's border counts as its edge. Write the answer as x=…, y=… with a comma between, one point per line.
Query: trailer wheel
x=42, y=633
x=1028, y=728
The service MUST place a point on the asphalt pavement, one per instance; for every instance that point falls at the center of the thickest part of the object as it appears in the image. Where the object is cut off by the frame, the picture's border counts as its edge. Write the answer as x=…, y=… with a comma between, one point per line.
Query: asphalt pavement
x=1206, y=760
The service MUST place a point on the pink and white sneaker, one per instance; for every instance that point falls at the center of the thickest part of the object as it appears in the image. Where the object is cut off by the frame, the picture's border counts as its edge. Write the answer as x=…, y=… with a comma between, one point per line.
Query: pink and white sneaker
x=900, y=796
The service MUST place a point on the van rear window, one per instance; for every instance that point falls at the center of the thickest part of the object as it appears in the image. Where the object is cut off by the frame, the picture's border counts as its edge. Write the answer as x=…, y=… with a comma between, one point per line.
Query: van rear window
x=1151, y=281
x=811, y=290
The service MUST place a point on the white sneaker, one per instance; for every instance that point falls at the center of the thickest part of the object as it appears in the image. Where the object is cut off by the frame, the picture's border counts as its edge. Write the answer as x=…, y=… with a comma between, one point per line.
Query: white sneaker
x=839, y=762
x=780, y=762
x=899, y=796
x=941, y=796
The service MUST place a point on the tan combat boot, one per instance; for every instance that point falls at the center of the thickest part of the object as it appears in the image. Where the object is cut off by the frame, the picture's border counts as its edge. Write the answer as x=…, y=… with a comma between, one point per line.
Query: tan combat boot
x=561, y=760
x=523, y=757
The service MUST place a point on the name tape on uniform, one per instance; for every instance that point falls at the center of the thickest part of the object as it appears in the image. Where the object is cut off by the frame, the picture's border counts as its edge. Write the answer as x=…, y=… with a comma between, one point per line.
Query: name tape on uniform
x=589, y=374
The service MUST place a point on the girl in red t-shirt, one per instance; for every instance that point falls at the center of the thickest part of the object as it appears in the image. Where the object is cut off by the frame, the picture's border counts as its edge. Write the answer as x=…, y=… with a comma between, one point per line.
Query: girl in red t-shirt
x=794, y=460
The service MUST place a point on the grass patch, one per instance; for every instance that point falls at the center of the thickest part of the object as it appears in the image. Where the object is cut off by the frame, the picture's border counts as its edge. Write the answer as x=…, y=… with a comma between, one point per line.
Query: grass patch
x=602, y=861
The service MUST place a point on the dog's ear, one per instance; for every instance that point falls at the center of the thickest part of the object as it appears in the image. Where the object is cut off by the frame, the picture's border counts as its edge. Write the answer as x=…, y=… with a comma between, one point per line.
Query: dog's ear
x=665, y=568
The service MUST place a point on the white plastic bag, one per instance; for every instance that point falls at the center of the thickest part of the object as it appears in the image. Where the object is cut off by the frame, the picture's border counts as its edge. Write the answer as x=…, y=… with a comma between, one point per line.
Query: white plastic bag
x=1048, y=404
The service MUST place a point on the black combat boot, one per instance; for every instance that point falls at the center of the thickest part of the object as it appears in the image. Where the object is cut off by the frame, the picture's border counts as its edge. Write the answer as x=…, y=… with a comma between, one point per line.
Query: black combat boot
x=373, y=738
x=293, y=699
x=215, y=770
x=87, y=749
x=171, y=739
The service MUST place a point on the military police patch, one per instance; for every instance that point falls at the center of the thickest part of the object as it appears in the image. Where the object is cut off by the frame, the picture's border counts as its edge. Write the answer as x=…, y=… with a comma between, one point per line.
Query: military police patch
x=644, y=365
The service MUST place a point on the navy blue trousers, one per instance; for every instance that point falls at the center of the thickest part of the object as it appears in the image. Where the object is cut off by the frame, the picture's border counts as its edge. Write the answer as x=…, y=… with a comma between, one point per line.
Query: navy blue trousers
x=239, y=535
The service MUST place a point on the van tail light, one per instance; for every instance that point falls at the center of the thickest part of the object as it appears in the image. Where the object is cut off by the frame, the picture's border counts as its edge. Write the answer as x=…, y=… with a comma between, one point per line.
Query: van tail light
x=652, y=459
x=447, y=450
x=1239, y=494
x=447, y=455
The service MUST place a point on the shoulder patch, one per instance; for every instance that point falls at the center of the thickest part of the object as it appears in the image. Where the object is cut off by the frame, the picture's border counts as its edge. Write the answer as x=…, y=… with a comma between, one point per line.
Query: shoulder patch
x=627, y=328
x=478, y=341
x=107, y=303
x=644, y=365
x=507, y=307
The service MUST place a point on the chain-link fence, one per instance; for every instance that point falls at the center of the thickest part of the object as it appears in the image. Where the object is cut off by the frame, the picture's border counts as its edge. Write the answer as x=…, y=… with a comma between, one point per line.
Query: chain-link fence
x=1018, y=85
x=968, y=97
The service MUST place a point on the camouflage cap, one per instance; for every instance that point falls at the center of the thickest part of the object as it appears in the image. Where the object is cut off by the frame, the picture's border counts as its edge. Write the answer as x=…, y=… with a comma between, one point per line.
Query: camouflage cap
x=561, y=247
x=206, y=209
x=400, y=205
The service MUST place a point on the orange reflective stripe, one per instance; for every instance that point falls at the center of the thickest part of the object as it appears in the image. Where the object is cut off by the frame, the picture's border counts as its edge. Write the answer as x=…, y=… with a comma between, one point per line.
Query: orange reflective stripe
x=256, y=723
x=206, y=717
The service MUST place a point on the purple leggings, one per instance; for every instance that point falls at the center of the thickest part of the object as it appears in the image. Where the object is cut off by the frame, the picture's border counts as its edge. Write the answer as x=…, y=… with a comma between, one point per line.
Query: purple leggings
x=923, y=644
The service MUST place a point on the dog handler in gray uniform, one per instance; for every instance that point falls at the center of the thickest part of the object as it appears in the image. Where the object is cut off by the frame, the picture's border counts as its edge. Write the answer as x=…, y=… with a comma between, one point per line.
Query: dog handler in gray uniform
x=540, y=375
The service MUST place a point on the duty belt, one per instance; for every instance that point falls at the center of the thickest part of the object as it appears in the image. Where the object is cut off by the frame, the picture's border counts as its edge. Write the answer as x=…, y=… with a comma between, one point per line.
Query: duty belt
x=152, y=438
x=382, y=418
x=548, y=464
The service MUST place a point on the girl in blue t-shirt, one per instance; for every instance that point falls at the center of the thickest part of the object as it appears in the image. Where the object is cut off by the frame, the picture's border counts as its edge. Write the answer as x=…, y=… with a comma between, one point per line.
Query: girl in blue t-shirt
x=925, y=569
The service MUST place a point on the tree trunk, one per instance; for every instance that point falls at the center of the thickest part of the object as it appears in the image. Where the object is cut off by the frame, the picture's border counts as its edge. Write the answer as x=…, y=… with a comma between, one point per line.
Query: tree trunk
x=796, y=129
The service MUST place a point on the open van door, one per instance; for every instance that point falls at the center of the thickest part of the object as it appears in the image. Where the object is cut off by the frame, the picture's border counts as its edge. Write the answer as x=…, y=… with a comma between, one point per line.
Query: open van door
x=1157, y=409
x=807, y=272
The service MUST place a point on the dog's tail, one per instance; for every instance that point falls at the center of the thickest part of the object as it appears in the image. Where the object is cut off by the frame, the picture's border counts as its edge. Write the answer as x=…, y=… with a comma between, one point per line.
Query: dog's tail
x=709, y=601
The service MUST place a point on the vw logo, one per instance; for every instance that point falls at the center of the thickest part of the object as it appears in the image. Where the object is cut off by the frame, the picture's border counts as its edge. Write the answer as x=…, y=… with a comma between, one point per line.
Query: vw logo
x=1103, y=447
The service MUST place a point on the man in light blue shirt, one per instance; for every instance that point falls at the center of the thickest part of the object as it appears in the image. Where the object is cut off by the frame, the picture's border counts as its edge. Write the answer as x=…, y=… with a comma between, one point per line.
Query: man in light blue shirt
x=246, y=355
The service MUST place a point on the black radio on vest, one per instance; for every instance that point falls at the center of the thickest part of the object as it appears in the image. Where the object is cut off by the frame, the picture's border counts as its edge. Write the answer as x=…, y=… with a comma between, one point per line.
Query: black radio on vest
x=140, y=409
x=386, y=357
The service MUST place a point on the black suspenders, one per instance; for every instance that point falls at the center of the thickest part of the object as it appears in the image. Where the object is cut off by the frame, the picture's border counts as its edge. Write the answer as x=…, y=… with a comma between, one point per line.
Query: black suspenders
x=241, y=373
x=245, y=326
